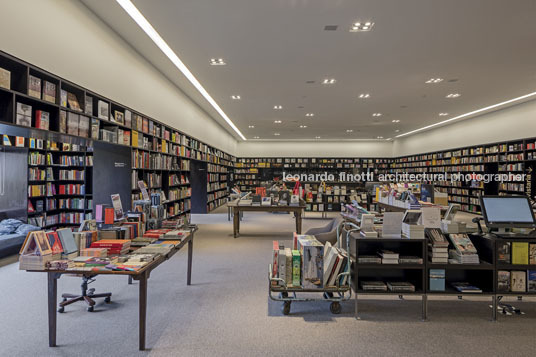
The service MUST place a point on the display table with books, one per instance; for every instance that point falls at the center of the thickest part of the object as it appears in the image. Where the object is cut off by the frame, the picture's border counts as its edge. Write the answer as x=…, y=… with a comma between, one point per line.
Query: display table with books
x=137, y=264
x=239, y=206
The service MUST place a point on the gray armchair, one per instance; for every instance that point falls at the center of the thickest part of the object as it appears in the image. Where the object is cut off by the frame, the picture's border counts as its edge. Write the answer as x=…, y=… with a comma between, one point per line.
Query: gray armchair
x=328, y=233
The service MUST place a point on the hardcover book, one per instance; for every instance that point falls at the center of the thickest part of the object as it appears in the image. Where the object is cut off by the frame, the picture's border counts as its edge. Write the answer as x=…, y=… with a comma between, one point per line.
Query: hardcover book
x=63, y=98
x=531, y=281
x=128, y=118
x=503, y=281
x=532, y=253
x=518, y=281
x=42, y=119
x=88, y=105
x=102, y=110
x=34, y=87
x=5, y=78
x=63, y=121
x=49, y=92
x=503, y=252
x=95, y=129
x=520, y=253
x=23, y=120
x=296, y=265
x=73, y=102
x=72, y=123
x=83, y=126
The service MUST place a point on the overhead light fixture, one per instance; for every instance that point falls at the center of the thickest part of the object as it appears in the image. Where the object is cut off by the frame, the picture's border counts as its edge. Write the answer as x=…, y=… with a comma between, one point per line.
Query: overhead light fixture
x=380, y=137
x=396, y=120
x=142, y=22
x=251, y=126
x=277, y=134
x=364, y=96
x=389, y=139
x=349, y=130
x=443, y=114
x=235, y=97
x=310, y=115
x=434, y=80
x=376, y=114
x=213, y=61
x=453, y=95
x=256, y=137
x=397, y=131
x=303, y=126
x=470, y=113
x=277, y=121
x=278, y=107
x=329, y=81
x=317, y=137
x=361, y=26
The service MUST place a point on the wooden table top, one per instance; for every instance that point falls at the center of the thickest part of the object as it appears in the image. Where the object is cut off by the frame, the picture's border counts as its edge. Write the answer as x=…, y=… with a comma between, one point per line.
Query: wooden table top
x=271, y=207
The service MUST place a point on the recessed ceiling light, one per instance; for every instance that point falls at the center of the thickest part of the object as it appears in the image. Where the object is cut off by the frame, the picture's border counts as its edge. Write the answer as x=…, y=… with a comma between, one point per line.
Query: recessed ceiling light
x=364, y=96
x=434, y=80
x=389, y=139
x=443, y=114
x=397, y=130
x=235, y=97
x=349, y=130
x=331, y=27
x=310, y=115
x=217, y=62
x=277, y=121
x=380, y=137
x=149, y=30
x=453, y=95
x=376, y=114
x=256, y=137
x=329, y=81
x=303, y=126
x=278, y=107
x=251, y=126
x=361, y=26
x=396, y=120
x=277, y=134
x=317, y=137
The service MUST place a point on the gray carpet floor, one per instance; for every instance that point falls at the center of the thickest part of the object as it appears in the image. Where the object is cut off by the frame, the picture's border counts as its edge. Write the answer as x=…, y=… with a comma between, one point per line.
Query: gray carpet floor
x=226, y=312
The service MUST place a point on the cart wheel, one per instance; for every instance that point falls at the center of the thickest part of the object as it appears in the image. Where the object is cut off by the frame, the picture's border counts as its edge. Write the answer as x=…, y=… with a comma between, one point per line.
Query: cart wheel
x=90, y=308
x=286, y=308
x=108, y=300
x=64, y=299
x=328, y=295
x=61, y=309
x=335, y=307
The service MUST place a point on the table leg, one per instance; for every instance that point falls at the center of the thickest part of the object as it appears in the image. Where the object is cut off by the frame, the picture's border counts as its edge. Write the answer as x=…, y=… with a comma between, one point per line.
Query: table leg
x=424, y=307
x=236, y=218
x=298, y=222
x=129, y=280
x=190, y=251
x=142, y=310
x=52, y=301
x=494, y=308
x=356, y=310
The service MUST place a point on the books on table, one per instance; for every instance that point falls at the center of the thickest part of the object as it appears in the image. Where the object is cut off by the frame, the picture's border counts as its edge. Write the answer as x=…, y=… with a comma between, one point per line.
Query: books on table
x=465, y=287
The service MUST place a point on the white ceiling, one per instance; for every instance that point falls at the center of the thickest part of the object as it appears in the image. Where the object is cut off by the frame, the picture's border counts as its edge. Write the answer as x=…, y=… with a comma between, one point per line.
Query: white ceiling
x=484, y=49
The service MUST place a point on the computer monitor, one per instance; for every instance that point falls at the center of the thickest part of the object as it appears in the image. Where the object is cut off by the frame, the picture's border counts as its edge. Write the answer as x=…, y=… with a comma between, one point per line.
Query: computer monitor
x=507, y=212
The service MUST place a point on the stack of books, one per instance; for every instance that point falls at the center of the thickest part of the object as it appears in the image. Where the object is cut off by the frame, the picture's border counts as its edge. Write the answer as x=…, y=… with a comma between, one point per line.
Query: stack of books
x=388, y=256
x=410, y=259
x=142, y=241
x=369, y=259
x=464, y=252
x=465, y=287
x=373, y=286
x=114, y=246
x=438, y=246
x=94, y=252
x=401, y=286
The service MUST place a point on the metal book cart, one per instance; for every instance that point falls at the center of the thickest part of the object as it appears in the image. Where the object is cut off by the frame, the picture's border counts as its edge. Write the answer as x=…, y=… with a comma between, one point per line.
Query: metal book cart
x=279, y=291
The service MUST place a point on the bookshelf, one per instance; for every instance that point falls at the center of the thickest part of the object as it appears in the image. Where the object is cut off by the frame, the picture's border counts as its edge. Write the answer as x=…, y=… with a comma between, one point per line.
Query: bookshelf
x=59, y=183
x=75, y=112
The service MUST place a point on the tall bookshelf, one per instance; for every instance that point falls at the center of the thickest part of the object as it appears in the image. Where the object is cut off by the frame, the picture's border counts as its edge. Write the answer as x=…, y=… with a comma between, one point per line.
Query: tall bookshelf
x=76, y=112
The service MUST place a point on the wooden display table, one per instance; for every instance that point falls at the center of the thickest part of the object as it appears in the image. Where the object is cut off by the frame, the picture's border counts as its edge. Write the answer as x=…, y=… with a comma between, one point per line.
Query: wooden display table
x=237, y=209
x=141, y=275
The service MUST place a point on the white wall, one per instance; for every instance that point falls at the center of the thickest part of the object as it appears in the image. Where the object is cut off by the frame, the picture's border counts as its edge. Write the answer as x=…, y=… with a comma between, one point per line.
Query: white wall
x=67, y=39
x=315, y=149
x=515, y=122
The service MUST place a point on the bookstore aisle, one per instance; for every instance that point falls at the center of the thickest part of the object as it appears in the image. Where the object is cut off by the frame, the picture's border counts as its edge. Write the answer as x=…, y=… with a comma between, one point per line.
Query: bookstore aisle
x=226, y=311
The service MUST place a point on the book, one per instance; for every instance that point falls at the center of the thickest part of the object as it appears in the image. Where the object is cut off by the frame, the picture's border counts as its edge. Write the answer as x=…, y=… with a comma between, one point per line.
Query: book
x=55, y=242
x=6, y=141
x=465, y=287
x=19, y=141
x=67, y=240
x=275, y=260
x=437, y=280
x=42, y=119
x=531, y=280
x=520, y=253
x=24, y=114
x=72, y=123
x=400, y=286
x=95, y=126
x=532, y=253
x=83, y=126
x=518, y=282
x=63, y=98
x=373, y=286
x=102, y=108
x=49, y=92
x=312, y=265
x=34, y=86
x=5, y=78
x=73, y=102
x=503, y=281
x=296, y=265
x=119, y=117
x=462, y=244
x=63, y=122
x=128, y=118
x=503, y=252
x=88, y=105
x=282, y=266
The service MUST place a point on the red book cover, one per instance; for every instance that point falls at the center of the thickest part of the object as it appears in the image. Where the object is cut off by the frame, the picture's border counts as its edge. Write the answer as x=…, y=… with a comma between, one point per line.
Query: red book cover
x=55, y=242
x=108, y=216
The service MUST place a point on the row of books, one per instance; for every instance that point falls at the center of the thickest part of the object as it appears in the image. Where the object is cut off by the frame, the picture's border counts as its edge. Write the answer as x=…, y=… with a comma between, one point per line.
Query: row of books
x=71, y=175
x=216, y=186
x=74, y=203
x=212, y=168
x=179, y=207
x=518, y=253
x=216, y=195
x=385, y=256
x=516, y=281
x=174, y=180
x=381, y=286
